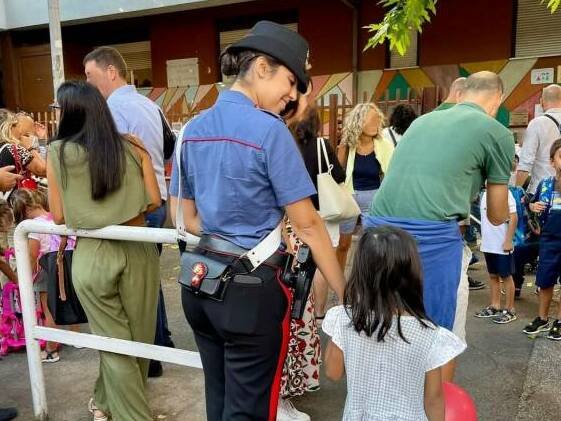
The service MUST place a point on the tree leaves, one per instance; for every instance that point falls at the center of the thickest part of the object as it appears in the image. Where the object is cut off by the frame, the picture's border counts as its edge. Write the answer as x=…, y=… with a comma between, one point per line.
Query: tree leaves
x=404, y=16
x=552, y=5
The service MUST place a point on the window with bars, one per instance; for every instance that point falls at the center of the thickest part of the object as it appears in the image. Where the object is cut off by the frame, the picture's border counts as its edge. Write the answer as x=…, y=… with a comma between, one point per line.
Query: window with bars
x=537, y=30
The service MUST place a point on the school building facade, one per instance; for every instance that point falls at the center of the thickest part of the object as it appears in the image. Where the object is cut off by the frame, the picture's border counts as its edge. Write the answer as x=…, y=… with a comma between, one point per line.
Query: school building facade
x=172, y=50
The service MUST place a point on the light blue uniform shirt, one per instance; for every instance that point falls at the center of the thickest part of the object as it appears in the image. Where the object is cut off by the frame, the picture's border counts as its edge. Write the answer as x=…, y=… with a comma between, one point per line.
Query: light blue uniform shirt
x=135, y=114
x=242, y=166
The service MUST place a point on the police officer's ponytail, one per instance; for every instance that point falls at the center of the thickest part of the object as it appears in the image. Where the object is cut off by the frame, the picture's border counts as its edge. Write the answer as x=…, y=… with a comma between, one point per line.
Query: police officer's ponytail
x=235, y=62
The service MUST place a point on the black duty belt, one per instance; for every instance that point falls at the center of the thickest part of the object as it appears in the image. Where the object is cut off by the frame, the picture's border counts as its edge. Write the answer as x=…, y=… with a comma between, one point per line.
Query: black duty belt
x=219, y=246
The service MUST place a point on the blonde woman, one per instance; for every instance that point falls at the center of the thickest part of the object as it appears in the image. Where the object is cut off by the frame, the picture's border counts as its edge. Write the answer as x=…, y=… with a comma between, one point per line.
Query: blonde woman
x=17, y=145
x=366, y=156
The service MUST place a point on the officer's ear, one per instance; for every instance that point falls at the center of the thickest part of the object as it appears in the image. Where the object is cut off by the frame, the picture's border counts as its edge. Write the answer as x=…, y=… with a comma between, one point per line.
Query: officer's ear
x=261, y=68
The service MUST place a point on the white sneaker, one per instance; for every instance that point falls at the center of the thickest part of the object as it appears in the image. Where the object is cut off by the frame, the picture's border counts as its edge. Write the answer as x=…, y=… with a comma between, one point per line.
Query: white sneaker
x=287, y=412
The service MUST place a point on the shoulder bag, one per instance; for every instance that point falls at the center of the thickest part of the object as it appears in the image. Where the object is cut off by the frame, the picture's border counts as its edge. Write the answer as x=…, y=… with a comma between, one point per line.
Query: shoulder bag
x=336, y=203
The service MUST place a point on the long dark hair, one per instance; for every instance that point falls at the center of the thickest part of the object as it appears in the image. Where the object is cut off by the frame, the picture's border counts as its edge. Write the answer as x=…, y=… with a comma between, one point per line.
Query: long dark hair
x=385, y=282
x=307, y=128
x=86, y=120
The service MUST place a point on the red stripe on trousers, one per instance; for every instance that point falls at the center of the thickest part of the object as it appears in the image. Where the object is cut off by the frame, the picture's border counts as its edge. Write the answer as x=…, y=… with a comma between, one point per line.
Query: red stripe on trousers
x=275, y=388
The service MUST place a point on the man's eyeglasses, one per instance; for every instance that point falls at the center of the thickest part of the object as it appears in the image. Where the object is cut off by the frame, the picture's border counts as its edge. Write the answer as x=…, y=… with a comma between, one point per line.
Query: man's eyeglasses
x=53, y=107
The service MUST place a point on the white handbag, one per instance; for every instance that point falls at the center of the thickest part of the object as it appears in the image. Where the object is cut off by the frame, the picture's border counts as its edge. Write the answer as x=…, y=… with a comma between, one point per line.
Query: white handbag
x=336, y=203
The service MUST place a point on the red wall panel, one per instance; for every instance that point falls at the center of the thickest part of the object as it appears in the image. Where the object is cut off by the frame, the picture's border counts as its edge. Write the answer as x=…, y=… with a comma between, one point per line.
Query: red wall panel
x=463, y=31
x=184, y=35
x=373, y=58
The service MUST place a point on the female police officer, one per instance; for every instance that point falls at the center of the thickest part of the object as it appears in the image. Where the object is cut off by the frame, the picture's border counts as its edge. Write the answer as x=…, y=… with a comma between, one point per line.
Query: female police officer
x=240, y=171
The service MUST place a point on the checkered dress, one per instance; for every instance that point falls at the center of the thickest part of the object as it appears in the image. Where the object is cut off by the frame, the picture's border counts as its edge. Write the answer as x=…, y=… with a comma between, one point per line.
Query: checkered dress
x=385, y=380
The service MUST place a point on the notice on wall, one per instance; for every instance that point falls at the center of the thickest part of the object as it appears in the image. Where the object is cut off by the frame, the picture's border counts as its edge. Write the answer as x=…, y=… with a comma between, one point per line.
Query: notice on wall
x=183, y=72
x=542, y=76
x=518, y=118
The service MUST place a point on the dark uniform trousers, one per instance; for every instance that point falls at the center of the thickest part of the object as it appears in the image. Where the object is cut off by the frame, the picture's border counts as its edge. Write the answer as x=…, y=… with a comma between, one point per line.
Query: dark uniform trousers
x=242, y=342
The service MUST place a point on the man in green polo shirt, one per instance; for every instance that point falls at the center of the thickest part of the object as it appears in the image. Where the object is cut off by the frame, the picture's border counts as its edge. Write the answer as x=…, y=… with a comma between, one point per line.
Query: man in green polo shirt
x=445, y=157
x=438, y=169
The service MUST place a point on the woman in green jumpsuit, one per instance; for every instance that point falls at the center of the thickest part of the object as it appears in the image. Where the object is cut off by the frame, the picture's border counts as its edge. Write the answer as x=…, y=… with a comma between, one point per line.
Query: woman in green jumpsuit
x=98, y=178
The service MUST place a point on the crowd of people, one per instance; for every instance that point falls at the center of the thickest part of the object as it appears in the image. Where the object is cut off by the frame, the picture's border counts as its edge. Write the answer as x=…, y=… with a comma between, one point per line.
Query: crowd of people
x=244, y=180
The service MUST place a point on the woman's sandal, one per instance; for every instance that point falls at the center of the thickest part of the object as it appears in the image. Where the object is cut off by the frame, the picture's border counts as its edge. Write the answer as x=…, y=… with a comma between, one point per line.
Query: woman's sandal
x=100, y=416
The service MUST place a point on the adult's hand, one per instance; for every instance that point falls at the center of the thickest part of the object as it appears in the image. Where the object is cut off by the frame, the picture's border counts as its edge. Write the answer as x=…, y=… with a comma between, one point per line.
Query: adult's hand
x=40, y=130
x=8, y=179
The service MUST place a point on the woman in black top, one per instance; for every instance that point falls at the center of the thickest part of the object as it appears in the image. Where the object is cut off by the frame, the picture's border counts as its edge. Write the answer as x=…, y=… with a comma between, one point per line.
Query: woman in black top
x=305, y=129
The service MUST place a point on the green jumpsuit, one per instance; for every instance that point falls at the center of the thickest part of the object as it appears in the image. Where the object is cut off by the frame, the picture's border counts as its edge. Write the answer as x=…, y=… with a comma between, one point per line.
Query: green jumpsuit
x=117, y=282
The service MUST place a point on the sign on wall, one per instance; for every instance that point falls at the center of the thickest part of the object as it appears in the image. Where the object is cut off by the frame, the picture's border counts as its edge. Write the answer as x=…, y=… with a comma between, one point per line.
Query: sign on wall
x=542, y=76
x=183, y=72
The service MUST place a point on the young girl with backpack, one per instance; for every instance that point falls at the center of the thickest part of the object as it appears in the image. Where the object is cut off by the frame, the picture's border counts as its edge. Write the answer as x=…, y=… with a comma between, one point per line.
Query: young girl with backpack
x=382, y=338
x=31, y=204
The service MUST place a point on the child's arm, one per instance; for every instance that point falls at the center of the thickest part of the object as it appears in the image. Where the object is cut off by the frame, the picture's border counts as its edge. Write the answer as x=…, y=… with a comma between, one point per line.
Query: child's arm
x=434, y=396
x=34, y=247
x=7, y=270
x=334, y=362
x=508, y=246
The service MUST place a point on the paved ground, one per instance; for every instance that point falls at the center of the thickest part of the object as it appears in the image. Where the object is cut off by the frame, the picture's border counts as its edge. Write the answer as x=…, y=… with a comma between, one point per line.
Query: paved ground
x=509, y=376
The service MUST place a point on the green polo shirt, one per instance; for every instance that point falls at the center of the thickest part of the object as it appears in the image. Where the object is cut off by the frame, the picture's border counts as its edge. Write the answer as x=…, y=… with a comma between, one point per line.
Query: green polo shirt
x=441, y=163
x=444, y=106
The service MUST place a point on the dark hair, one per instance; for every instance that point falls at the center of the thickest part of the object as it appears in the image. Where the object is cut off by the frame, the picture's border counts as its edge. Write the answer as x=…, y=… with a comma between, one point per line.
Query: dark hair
x=6, y=216
x=86, y=120
x=108, y=56
x=556, y=145
x=236, y=62
x=307, y=128
x=385, y=282
x=22, y=200
x=402, y=117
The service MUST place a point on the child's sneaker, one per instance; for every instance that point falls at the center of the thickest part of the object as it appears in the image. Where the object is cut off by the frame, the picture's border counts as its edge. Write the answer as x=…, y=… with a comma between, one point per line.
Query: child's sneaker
x=506, y=316
x=49, y=357
x=487, y=312
x=537, y=326
x=555, y=331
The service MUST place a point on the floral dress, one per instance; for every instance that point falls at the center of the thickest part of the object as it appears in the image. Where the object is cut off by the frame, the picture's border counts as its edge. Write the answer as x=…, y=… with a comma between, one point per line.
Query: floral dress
x=300, y=373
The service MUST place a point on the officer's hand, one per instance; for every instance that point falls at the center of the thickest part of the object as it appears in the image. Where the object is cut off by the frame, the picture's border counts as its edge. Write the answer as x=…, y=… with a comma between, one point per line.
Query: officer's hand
x=8, y=179
x=537, y=207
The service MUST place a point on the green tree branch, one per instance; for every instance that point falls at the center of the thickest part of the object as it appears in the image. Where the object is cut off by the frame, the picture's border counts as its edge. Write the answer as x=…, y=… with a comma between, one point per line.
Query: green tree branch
x=403, y=16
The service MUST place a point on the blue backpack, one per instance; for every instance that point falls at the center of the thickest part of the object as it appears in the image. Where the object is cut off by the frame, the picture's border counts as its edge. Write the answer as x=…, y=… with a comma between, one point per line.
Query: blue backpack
x=544, y=194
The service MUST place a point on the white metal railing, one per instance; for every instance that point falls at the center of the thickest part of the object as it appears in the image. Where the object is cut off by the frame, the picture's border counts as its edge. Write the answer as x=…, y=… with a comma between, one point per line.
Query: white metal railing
x=33, y=332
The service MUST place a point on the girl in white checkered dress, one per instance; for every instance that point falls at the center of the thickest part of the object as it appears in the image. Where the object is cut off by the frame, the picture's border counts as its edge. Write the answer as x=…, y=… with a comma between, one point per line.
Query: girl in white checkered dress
x=382, y=338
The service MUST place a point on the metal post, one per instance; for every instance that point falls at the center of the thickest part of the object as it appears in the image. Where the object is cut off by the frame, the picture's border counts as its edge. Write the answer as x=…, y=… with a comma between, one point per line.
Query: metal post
x=33, y=332
x=56, y=45
x=29, y=321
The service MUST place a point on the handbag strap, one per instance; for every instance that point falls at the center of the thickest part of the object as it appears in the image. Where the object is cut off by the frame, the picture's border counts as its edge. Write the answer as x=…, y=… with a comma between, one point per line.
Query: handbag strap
x=390, y=131
x=554, y=121
x=321, y=147
x=60, y=267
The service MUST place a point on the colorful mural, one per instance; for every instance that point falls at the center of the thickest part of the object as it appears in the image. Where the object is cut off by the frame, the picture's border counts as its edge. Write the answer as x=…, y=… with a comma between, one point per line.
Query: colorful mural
x=520, y=95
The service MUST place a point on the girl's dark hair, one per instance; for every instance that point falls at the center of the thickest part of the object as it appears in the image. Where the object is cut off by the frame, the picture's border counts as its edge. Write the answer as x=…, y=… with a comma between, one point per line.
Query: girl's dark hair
x=23, y=200
x=307, y=128
x=402, y=117
x=554, y=147
x=85, y=119
x=236, y=62
x=6, y=216
x=385, y=282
